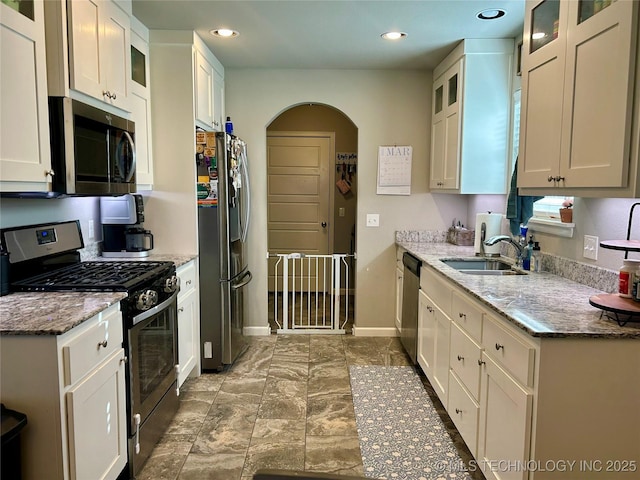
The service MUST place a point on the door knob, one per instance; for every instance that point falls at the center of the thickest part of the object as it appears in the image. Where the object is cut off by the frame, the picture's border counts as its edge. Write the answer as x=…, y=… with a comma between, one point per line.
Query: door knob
x=324, y=224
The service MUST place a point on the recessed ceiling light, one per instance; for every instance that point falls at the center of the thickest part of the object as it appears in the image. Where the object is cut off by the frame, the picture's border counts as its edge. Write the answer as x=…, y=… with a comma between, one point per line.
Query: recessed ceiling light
x=224, y=32
x=491, y=14
x=393, y=35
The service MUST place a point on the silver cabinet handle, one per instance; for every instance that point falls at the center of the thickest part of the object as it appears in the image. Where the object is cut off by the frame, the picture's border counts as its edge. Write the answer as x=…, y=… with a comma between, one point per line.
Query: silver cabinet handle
x=458, y=411
x=462, y=315
x=550, y=178
x=124, y=360
x=460, y=358
x=49, y=173
x=102, y=344
x=498, y=346
x=181, y=309
x=481, y=362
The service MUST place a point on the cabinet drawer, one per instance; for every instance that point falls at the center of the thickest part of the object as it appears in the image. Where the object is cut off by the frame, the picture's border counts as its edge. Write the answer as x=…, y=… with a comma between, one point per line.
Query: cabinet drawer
x=464, y=411
x=467, y=314
x=187, y=275
x=512, y=353
x=464, y=359
x=436, y=288
x=93, y=345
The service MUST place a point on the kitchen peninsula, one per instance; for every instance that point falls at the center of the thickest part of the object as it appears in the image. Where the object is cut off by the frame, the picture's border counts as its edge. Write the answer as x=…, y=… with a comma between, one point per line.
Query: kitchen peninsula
x=529, y=372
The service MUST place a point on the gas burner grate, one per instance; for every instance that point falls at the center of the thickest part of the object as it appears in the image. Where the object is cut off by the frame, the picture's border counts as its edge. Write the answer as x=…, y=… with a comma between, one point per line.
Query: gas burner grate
x=96, y=276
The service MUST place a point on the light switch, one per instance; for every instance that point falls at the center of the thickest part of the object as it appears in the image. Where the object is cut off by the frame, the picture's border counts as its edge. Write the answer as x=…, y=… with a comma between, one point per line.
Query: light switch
x=590, y=247
x=373, y=219
x=341, y=212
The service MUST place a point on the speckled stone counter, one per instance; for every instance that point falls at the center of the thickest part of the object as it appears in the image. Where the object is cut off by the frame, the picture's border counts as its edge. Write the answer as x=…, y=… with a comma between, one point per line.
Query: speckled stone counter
x=542, y=304
x=54, y=313
x=51, y=313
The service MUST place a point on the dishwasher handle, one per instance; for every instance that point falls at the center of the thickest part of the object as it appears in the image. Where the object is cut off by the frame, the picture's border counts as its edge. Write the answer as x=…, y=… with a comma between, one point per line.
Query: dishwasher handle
x=411, y=263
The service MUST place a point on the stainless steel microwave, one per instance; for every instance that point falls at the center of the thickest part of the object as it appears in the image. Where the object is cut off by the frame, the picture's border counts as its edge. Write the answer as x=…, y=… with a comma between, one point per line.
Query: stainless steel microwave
x=92, y=151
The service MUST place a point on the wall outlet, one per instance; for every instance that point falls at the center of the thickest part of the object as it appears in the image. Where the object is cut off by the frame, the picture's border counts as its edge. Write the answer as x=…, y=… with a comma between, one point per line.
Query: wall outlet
x=341, y=212
x=373, y=219
x=590, y=247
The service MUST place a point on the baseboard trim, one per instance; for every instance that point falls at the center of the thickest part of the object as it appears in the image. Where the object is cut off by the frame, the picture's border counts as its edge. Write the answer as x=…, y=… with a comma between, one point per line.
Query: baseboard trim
x=375, y=331
x=256, y=331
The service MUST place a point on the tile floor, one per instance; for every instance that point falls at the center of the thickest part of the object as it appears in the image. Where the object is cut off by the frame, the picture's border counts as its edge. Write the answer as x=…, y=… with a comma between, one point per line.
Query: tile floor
x=285, y=403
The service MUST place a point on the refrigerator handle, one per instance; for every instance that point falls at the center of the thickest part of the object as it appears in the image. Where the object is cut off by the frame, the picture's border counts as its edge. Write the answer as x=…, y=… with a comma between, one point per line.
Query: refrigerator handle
x=243, y=283
x=244, y=169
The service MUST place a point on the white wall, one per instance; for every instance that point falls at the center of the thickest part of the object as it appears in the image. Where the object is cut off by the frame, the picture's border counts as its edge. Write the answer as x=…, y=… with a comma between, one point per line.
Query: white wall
x=387, y=108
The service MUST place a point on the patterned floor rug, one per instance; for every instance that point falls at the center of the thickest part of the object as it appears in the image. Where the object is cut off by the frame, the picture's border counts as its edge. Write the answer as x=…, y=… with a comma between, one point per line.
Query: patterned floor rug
x=401, y=434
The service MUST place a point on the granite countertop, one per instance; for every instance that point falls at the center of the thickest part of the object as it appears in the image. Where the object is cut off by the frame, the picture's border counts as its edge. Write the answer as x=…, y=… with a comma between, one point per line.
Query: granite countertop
x=540, y=303
x=54, y=313
x=51, y=313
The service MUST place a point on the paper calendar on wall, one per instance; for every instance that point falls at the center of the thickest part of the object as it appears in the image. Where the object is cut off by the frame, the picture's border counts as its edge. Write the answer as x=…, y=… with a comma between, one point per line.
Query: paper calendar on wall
x=394, y=170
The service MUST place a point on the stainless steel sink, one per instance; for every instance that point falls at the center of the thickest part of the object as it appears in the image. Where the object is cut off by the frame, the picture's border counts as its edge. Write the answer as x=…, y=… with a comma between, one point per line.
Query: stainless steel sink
x=482, y=266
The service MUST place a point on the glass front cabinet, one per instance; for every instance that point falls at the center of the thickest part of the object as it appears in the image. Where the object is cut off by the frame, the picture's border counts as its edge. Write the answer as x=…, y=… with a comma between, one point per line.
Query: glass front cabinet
x=578, y=73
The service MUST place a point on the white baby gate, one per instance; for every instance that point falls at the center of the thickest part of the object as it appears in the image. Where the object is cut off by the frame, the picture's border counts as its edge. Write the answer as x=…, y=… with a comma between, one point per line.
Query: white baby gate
x=311, y=293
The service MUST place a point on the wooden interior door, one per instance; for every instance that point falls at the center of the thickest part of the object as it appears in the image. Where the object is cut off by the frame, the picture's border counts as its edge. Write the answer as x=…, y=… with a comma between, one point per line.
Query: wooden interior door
x=298, y=195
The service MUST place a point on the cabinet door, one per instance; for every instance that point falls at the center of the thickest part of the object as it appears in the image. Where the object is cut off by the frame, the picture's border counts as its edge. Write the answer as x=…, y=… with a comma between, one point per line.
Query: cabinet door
x=543, y=60
x=426, y=334
x=204, y=91
x=96, y=420
x=452, y=119
x=116, y=54
x=598, y=81
x=445, y=159
x=99, y=50
x=140, y=104
x=399, y=284
x=436, y=179
x=188, y=344
x=24, y=118
x=505, y=423
x=84, y=25
x=441, y=358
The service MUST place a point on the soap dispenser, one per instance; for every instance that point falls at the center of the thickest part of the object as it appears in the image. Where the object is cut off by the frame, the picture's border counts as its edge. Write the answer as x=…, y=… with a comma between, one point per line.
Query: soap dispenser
x=527, y=253
x=228, y=126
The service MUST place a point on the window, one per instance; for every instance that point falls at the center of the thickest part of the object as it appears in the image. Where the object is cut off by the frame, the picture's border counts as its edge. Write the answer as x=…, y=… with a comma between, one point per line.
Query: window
x=548, y=207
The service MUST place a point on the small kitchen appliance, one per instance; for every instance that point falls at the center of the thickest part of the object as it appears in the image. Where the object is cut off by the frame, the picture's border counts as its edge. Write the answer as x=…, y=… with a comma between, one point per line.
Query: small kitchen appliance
x=46, y=258
x=122, y=231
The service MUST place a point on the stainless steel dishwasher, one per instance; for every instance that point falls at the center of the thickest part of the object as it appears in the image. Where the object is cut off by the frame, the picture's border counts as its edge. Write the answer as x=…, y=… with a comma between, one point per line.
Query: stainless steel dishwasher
x=409, y=321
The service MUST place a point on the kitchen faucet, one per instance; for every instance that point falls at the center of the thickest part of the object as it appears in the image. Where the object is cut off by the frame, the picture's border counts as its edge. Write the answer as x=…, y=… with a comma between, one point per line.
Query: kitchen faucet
x=506, y=238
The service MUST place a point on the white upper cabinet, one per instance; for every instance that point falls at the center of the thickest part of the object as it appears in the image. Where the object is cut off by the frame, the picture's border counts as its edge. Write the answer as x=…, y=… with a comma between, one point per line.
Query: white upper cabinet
x=209, y=89
x=471, y=118
x=25, y=158
x=578, y=76
x=89, y=49
x=139, y=101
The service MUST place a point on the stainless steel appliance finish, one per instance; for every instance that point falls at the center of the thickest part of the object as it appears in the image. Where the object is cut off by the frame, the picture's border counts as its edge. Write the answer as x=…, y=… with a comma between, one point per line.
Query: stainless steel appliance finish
x=149, y=318
x=223, y=228
x=92, y=151
x=122, y=233
x=409, y=321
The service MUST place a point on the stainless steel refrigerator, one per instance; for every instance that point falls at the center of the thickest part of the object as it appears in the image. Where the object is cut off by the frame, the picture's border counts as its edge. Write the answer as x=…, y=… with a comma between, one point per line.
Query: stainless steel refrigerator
x=224, y=206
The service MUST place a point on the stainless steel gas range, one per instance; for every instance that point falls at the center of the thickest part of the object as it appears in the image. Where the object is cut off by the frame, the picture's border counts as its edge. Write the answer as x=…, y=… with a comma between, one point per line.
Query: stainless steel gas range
x=46, y=258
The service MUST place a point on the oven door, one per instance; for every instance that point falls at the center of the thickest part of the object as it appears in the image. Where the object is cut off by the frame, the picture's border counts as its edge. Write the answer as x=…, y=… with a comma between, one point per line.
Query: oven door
x=153, y=357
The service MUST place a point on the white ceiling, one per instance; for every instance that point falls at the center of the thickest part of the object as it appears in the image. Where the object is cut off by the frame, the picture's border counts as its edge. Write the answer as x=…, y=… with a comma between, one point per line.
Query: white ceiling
x=333, y=34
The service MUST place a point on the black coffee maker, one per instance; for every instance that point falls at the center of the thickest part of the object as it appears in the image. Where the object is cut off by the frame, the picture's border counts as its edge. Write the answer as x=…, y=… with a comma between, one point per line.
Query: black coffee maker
x=122, y=232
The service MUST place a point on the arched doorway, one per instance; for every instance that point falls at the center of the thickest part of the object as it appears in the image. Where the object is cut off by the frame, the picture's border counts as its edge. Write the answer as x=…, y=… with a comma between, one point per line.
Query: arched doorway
x=312, y=193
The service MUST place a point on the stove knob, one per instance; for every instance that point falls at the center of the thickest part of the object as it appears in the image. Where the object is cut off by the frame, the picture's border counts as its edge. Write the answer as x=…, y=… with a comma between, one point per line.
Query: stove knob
x=146, y=300
x=171, y=284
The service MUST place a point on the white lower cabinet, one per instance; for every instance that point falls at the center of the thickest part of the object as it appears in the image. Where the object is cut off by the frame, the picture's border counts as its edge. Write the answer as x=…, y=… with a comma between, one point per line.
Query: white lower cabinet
x=426, y=334
x=505, y=424
x=96, y=422
x=529, y=408
x=72, y=389
x=188, y=322
x=464, y=412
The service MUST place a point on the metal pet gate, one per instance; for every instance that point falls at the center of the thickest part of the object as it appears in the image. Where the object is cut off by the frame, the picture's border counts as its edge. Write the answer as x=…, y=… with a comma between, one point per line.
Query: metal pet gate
x=311, y=293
